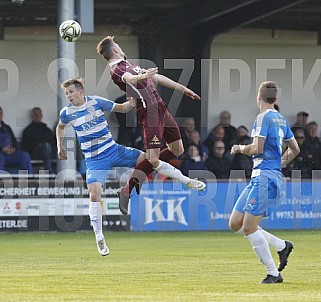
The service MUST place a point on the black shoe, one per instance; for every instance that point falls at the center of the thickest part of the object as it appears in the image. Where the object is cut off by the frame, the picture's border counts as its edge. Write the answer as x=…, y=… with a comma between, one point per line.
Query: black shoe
x=284, y=255
x=272, y=279
x=123, y=201
x=136, y=185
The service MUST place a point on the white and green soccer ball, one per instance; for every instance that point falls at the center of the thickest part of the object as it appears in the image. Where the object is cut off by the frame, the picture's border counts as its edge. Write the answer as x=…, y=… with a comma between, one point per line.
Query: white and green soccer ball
x=70, y=30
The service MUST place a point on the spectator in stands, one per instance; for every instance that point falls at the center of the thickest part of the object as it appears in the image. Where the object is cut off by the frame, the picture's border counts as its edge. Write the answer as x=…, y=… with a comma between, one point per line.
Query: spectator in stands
x=242, y=161
x=39, y=140
x=217, y=134
x=217, y=163
x=313, y=143
x=230, y=131
x=186, y=130
x=195, y=138
x=301, y=120
x=193, y=160
x=304, y=161
x=10, y=155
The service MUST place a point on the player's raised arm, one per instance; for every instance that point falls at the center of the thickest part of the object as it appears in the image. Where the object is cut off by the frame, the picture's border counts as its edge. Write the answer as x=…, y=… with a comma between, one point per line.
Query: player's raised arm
x=60, y=134
x=167, y=82
x=125, y=107
x=291, y=152
x=136, y=78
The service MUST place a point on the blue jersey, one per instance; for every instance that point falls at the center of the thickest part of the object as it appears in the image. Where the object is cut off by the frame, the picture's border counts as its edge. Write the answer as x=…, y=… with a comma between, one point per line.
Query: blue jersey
x=90, y=124
x=275, y=129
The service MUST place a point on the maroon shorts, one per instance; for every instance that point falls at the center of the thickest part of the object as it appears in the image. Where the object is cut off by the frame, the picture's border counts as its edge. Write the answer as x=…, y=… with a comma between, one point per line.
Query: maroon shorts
x=157, y=123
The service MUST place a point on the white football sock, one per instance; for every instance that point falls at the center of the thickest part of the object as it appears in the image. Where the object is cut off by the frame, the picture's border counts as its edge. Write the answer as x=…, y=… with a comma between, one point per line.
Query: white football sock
x=276, y=242
x=171, y=172
x=262, y=250
x=240, y=231
x=96, y=219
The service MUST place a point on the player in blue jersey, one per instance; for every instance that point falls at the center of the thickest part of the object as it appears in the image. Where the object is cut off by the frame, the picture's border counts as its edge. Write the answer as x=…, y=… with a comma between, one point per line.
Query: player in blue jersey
x=101, y=152
x=270, y=130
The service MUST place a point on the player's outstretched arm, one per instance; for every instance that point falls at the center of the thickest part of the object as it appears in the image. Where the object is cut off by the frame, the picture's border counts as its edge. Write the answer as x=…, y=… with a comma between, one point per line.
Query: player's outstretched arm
x=125, y=107
x=60, y=134
x=167, y=82
x=136, y=78
x=290, y=153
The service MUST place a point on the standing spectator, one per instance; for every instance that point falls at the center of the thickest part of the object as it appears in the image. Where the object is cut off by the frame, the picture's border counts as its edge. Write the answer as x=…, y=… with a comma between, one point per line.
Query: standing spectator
x=9, y=154
x=186, y=130
x=230, y=131
x=38, y=140
x=218, y=163
x=313, y=142
x=193, y=160
x=301, y=120
x=304, y=160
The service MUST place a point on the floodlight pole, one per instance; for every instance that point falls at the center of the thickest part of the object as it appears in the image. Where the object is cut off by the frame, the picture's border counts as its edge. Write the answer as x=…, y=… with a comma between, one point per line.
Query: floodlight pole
x=66, y=52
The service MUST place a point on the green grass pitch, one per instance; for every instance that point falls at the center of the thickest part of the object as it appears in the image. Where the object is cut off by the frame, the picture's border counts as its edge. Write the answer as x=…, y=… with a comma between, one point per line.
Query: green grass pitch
x=173, y=266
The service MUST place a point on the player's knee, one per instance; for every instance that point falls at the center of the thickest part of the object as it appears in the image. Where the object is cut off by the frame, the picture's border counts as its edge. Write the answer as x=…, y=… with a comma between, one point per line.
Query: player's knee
x=234, y=226
x=94, y=196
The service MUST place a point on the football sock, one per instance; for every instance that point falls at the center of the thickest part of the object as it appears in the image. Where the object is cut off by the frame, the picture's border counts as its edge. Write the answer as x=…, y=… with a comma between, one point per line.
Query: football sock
x=143, y=169
x=240, y=231
x=95, y=214
x=262, y=250
x=171, y=172
x=276, y=242
x=166, y=155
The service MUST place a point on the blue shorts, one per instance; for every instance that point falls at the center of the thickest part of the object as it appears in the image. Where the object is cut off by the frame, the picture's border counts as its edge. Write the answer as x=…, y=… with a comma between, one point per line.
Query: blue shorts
x=117, y=156
x=260, y=195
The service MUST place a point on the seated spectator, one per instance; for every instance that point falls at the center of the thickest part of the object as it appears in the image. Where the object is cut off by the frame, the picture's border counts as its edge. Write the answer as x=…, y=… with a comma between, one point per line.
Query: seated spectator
x=217, y=163
x=193, y=160
x=195, y=138
x=301, y=120
x=242, y=161
x=313, y=143
x=38, y=140
x=186, y=130
x=304, y=161
x=217, y=134
x=9, y=154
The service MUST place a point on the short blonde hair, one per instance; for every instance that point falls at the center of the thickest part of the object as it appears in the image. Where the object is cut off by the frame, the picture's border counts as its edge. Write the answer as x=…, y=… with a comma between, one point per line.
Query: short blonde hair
x=268, y=90
x=78, y=82
x=104, y=47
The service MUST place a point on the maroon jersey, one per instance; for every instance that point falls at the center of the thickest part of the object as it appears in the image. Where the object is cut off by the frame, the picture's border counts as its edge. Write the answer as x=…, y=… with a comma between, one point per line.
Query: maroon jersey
x=145, y=91
x=154, y=118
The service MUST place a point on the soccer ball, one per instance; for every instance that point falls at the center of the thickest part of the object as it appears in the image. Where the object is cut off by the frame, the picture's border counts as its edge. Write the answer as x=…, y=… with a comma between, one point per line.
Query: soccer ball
x=70, y=30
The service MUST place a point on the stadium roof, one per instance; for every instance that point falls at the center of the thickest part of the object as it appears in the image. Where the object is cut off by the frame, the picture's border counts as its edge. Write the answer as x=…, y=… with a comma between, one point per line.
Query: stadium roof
x=277, y=14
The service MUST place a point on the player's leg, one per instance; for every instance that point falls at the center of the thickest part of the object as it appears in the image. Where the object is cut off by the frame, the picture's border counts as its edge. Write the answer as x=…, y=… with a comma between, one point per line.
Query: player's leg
x=95, y=214
x=256, y=207
x=261, y=247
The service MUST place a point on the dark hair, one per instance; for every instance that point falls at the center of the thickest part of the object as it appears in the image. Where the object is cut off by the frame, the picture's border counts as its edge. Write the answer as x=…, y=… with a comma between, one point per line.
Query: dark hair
x=104, y=47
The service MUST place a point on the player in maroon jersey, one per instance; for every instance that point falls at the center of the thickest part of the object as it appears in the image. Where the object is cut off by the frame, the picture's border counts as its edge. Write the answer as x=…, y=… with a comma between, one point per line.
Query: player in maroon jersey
x=155, y=120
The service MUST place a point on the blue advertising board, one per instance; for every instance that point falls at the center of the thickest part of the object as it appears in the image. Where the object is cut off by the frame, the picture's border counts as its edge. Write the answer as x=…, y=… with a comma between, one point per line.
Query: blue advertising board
x=167, y=206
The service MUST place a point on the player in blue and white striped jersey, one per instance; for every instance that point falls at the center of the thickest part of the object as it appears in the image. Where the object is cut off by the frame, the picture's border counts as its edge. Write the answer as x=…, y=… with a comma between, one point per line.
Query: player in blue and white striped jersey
x=270, y=130
x=101, y=152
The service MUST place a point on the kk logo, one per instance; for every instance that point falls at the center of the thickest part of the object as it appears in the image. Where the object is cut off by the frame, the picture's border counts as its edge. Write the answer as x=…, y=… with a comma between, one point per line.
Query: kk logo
x=160, y=210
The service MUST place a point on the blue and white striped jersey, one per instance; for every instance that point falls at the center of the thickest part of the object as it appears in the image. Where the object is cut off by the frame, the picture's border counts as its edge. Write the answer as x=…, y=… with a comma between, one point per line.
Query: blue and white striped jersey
x=271, y=125
x=90, y=124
